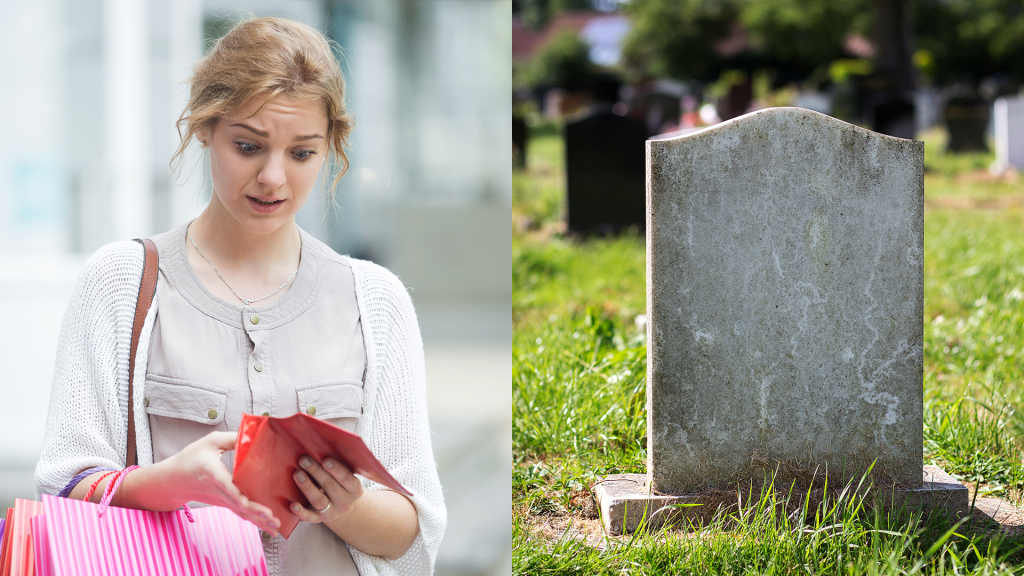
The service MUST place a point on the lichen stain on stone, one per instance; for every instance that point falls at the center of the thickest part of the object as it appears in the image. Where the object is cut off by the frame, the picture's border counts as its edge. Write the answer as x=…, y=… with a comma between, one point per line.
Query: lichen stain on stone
x=818, y=236
x=766, y=384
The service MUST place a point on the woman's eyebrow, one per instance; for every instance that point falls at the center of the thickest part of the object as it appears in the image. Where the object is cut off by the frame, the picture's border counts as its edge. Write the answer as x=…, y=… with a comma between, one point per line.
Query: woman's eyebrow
x=253, y=130
x=263, y=134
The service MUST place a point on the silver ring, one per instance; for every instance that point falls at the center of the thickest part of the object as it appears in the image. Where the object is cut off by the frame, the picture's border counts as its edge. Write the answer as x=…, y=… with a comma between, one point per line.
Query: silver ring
x=326, y=508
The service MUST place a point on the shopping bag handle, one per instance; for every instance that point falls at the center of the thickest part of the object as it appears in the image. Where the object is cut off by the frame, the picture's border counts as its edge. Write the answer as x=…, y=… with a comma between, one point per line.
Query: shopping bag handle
x=113, y=485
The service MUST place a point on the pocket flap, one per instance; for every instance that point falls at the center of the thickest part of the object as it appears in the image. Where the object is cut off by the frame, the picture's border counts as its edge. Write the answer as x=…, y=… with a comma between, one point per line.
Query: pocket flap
x=186, y=400
x=335, y=399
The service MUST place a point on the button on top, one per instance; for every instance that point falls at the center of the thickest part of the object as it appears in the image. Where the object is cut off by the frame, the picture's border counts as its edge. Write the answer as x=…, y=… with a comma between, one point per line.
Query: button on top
x=255, y=319
x=258, y=367
x=265, y=534
x=266, y=414
x=145, y=401
x=212, y=413
x=311, y=410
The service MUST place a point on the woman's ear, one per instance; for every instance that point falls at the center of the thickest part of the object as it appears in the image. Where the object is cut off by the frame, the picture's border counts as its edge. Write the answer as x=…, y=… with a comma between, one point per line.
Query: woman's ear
x=203, y=135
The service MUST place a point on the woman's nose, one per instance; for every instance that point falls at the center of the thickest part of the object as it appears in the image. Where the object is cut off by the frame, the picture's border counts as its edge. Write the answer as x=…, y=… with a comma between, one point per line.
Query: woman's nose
x=272, y=173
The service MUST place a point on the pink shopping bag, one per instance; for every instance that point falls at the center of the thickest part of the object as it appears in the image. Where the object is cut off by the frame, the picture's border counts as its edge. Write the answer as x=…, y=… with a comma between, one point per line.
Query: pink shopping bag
x=22, y=557
x=5, y=547
x=41, y=547
x=141, y=543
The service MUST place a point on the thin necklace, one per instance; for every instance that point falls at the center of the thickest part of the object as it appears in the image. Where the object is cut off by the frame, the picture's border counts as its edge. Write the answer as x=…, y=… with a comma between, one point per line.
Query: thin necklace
x=221, y=276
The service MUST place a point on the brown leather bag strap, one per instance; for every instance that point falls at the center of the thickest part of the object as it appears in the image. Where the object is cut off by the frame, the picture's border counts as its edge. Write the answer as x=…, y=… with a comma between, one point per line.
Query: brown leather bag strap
x=147, y=290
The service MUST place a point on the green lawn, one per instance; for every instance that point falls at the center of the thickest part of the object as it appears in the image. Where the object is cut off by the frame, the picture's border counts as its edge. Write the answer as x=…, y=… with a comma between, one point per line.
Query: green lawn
x=579, y=393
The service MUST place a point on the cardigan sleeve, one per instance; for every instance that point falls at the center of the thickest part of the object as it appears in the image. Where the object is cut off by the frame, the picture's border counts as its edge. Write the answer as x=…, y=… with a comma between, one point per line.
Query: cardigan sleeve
x=87, y=421
x=398, y=431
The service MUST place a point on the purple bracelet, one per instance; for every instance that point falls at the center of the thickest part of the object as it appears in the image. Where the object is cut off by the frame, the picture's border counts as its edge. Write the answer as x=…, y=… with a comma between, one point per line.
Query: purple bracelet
x=66, y=492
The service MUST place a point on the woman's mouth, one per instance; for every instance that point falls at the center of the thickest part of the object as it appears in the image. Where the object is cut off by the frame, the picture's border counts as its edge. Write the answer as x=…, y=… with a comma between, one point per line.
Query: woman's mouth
x=264, y=206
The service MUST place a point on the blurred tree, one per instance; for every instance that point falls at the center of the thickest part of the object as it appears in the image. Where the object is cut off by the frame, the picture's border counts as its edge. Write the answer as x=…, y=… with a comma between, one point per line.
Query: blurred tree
x=677, y=38
x=971, y=39
x=802, y=35
x=699, y=38
x=536, y=13
x=892, y=35
x=564, y=61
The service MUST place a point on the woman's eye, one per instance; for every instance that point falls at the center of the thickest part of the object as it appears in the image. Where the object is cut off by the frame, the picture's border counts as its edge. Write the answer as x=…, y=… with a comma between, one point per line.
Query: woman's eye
x=246, y=148
x=303, y=155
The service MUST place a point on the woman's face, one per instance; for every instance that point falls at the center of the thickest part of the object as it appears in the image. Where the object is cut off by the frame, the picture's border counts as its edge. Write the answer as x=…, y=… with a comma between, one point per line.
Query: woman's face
x=263, y=167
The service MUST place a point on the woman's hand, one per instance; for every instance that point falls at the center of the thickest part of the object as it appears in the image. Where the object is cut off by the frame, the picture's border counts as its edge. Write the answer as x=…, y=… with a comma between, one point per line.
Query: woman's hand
x=332, y=492
x=378, y=522
x=198, y=474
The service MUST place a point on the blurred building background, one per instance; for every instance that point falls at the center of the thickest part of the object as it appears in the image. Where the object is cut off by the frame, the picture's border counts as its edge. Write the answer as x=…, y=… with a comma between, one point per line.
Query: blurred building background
x=91, y=90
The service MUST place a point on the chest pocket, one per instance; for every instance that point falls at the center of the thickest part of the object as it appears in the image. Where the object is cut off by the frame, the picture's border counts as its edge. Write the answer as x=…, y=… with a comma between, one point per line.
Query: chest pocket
x=338, y=401
x=185, y=400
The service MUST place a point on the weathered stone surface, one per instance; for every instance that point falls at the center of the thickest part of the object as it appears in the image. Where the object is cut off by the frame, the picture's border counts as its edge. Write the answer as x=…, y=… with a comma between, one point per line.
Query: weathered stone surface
x=785, y=303
x=625, y=500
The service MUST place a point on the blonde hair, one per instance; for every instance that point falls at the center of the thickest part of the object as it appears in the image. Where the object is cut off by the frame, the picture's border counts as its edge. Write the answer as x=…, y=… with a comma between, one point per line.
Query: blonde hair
x=271, y=57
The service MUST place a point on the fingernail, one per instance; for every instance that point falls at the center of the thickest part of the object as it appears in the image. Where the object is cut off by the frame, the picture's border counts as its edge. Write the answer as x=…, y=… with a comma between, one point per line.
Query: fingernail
x=329, y=464
x=300, y=476
x=264, y=516
x=274, y=524
x=296, y=508
x=306, y=462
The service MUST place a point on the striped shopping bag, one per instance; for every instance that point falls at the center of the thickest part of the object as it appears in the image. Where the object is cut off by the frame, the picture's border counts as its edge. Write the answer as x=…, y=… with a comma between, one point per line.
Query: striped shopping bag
x=21, y=556
x=73, y=537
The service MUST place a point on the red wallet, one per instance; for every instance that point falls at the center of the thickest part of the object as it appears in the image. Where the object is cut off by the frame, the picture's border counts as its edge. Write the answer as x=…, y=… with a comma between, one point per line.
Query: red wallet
x=267, y=454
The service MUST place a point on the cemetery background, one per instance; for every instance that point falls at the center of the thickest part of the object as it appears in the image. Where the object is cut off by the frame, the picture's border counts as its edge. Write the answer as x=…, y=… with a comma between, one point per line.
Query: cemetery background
x=579, y=386
x=91, y=93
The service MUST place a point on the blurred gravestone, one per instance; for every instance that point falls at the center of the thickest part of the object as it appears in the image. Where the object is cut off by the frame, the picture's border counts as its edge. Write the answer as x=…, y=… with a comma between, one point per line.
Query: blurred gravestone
x=1009, y=132
x=604, y=168
x=895, y=117
x=785, y=304
x=966, y=120
x=736, y=100
x=519, y=138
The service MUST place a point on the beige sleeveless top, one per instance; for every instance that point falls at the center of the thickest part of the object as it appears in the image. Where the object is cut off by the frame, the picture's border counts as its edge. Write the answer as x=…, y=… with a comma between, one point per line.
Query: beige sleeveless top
x=210, y=361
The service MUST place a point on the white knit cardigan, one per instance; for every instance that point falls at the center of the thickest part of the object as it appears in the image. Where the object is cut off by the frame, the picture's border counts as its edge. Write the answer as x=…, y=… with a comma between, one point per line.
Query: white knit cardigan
x=87, y=421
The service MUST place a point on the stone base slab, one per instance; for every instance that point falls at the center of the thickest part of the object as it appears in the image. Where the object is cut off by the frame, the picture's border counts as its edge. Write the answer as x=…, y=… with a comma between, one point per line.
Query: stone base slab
x=624, y=500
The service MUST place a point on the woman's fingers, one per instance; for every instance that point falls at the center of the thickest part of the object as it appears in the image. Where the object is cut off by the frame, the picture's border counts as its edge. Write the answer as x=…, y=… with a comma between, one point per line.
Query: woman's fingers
x=344, y=477
x=244, y=506
x=318, y=500
x=226, y=440
x=340, y=487
x=204, y=478
x=338, y=481
x=305, y=514
x=223, y=440
x=259, y=515
x=220, y=480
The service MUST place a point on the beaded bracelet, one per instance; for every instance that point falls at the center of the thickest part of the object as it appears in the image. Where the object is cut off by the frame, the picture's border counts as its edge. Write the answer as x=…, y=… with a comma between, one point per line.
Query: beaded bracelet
x=66, y=491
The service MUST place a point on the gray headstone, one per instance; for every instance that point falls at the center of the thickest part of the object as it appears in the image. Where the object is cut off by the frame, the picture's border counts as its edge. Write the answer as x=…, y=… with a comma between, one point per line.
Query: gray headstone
x=1009, y=132
x=785, y=302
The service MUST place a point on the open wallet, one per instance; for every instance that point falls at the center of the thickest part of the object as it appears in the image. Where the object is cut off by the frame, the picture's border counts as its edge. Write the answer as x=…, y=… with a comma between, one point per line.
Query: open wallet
x=267, y=455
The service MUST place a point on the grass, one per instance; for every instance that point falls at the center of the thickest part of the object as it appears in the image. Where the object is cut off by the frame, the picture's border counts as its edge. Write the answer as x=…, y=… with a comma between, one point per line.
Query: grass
x=579, y=394
x=841, y=537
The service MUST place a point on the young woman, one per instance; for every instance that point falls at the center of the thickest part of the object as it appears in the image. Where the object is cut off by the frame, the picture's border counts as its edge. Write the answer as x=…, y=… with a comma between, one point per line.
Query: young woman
x=253, y=315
